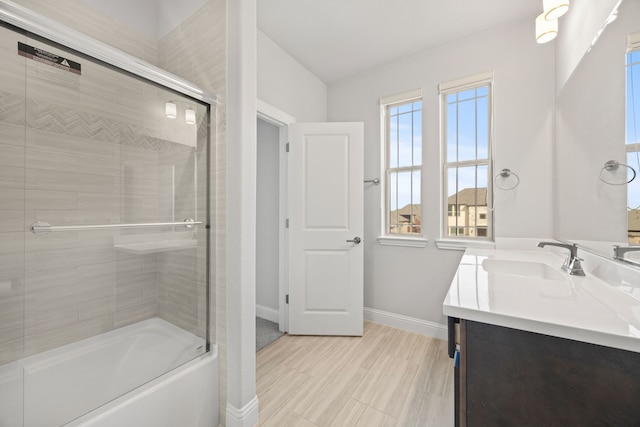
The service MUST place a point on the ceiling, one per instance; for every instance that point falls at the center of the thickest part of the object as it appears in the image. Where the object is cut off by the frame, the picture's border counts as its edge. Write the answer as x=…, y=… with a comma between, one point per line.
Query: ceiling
x=335, y=39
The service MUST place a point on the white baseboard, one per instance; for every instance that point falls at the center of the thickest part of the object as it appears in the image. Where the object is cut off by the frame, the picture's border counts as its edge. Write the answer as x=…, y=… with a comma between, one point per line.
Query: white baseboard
x=247, y=416
x=268, y=313
x=411, y=324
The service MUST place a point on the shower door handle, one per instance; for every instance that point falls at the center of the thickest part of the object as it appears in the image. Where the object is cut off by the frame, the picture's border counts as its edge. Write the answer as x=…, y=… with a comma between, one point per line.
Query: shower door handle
x=355, y=240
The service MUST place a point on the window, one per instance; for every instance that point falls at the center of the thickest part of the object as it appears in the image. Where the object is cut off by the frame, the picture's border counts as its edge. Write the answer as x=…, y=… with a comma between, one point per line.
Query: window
x=466, y=134
x=633, y=138
x=402, y=118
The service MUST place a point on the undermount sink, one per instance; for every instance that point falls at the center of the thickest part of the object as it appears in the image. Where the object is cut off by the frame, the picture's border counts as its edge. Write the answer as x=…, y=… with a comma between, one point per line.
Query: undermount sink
x=532, y=269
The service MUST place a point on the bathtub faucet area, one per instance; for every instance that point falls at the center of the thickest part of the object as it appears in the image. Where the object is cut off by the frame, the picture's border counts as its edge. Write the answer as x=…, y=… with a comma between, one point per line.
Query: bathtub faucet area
x=572, y=263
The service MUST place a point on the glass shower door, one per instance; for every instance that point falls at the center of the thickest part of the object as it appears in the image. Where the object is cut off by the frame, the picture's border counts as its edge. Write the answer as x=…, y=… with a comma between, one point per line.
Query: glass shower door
x=103, y=285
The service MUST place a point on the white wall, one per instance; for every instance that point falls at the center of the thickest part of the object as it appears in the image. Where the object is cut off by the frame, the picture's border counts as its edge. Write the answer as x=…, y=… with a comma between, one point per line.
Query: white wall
x=286, y=85
x=267, y=220
x=413, y=281
x=576, y=32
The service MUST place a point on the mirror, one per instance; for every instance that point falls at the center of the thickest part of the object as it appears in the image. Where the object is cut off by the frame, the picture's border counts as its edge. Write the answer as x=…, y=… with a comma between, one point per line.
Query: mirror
x=596, y=139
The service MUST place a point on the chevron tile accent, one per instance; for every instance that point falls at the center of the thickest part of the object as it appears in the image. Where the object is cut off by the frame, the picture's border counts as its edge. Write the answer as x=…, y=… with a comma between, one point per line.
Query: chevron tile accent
x=49, y=117
x=11, y=108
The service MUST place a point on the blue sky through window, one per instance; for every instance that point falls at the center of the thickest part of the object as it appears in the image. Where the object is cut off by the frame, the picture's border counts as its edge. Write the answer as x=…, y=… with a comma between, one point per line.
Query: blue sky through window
x=467, y=128
x=405, y=150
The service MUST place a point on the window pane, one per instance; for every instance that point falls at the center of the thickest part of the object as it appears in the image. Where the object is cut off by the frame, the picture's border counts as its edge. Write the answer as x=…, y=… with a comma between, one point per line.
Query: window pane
x=404, y=157
x=392, y=214
x=482, y=176
x=404, y=108
x=467, y=130
x=405, y=140
x=415, y=188
x=417, y=138
x=467, y=94
x=452, y=183
x=633, y=200
x=467, y=200
x=633, y=137
x=452, y=126
x=393, y=142
x=452, y=189
x=404, y=189
x=416, y=202
x=467, y=139
x=393, y=190
x=483, y=128
x=633, y=104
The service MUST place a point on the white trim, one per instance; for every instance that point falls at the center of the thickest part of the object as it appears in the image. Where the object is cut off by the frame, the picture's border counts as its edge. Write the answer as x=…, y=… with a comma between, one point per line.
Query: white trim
x=401, y=97
x=413, y=242
x=461, y=245
x=32, y=22
x=247, y=416
x=271, y=114
x=633, y=42
x=468, y=82
x=282, y=120
x=268, y=313
x=406, y=323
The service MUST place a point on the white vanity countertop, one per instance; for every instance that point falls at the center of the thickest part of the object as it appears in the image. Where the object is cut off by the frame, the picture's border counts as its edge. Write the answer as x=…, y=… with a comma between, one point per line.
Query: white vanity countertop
x=525, y=289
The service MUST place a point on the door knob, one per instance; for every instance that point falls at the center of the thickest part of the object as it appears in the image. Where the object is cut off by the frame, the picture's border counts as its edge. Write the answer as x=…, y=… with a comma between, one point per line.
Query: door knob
x=355, y=240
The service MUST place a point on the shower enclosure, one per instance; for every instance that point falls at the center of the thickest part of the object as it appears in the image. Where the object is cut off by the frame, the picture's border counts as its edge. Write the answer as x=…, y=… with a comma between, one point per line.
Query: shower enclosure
x=104, y=237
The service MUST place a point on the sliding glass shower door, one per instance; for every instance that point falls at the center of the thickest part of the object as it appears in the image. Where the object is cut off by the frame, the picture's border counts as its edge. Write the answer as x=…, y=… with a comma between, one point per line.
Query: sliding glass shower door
x=103, y=214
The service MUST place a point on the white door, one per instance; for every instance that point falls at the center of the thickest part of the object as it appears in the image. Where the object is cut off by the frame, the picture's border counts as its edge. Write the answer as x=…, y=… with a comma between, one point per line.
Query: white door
x=325, y=228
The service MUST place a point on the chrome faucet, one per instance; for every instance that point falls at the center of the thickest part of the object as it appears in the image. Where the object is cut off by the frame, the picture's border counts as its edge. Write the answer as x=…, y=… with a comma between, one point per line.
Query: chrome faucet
x=572, y=263
x=619, y=251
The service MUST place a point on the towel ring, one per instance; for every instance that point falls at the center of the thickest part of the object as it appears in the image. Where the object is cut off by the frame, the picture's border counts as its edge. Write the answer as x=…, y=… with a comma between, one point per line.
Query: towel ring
x=506, y=173
x=613, y=165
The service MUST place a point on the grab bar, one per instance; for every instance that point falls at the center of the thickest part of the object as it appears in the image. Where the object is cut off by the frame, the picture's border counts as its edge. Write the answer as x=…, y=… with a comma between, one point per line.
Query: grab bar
x=41, y=227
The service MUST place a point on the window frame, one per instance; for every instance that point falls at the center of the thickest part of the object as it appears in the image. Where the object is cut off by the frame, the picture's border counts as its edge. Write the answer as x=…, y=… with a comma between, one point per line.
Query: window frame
x=386, y=237
x=445, y=89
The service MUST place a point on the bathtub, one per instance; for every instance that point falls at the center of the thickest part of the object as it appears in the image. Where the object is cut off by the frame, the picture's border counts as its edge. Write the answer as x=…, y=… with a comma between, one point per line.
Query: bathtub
x=115, y=379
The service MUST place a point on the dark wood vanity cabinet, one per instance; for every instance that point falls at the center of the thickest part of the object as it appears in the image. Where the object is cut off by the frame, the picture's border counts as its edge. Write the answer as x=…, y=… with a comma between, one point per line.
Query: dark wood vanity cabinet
x=509, y=377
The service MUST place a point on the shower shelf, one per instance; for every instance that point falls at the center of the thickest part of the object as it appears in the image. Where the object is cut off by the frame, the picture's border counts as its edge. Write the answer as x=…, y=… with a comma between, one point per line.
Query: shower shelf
x=144, y=248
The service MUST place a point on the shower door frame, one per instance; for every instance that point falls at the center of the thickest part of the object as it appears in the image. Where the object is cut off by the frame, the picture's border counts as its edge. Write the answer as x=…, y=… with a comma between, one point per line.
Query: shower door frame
x=51, y=30
x=23, y=19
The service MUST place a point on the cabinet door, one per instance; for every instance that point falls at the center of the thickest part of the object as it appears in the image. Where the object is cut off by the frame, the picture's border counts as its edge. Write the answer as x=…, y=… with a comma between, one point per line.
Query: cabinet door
x=512, y=377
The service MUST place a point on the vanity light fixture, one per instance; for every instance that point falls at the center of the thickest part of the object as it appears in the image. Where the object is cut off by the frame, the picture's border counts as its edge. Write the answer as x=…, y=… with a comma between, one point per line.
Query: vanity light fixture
x=190, y=116
x=545, y=30
x=554, y=9
x=170, y=110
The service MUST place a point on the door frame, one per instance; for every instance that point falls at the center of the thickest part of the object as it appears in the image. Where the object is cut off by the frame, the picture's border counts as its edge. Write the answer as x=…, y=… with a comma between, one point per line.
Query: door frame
x=281, y=120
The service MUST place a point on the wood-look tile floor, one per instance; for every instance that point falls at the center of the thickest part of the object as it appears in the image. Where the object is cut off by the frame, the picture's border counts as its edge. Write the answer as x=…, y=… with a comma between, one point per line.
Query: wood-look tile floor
x=389, y=377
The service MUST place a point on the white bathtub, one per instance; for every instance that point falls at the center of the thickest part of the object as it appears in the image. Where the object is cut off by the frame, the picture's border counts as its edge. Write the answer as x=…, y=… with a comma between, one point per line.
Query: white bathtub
x=115, y=379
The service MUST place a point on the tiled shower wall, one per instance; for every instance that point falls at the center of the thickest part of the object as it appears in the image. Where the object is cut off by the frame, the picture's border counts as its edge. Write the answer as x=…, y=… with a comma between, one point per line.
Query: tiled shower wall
x=86, y=150
x=196, y=51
